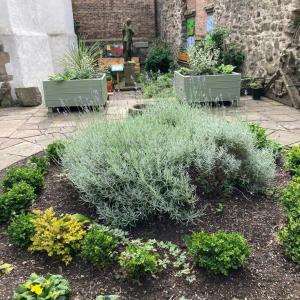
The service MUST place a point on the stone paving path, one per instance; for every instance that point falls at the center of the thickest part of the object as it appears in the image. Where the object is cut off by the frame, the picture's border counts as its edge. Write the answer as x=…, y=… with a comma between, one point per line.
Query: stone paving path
x=26, y=131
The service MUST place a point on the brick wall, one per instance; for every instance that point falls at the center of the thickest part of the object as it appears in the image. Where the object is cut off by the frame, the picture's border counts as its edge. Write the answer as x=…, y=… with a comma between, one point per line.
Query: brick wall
x=103, y=19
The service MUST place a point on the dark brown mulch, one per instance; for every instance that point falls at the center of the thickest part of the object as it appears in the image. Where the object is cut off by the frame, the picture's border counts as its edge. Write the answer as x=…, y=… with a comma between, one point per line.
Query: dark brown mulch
x=268, y=274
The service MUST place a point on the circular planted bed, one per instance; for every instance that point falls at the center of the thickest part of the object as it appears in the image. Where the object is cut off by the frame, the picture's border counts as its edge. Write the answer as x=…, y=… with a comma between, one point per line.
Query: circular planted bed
x=228, y=218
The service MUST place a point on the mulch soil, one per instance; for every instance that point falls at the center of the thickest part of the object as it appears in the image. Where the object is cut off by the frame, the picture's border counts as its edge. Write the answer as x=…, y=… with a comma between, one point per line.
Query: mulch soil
x=267, y=275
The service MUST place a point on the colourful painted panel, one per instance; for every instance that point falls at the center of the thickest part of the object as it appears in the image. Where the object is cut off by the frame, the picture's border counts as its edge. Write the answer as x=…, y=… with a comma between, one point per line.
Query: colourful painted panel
x=190, y=26
x=210, y=23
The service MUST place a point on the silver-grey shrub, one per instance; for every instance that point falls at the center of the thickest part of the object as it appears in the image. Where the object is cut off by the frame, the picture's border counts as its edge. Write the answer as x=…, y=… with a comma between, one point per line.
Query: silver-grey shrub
x=150, y=165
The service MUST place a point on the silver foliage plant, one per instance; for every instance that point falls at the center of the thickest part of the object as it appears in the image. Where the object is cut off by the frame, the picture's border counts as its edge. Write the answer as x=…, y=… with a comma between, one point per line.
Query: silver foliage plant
x=150, y=165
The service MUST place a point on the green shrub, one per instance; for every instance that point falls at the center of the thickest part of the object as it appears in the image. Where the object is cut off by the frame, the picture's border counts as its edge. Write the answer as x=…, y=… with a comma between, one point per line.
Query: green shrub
x=160, y=86
x=55, y=151
x=290, y=238
x=57, y=236
x=159, y=58
x=43, y=287
x=98, y=246
x=29, y=175
x=21, y=230
x=233, y=56
x=292, y=160
x=41, y=163
x=219, y=252
x=149, y=165
x=137, y=260
x=262, y=141
x=290, y=196
x=16, y=200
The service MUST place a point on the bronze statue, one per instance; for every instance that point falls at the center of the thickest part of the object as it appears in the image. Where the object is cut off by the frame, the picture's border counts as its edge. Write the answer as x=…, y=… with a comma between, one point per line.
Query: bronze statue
x=128, y=34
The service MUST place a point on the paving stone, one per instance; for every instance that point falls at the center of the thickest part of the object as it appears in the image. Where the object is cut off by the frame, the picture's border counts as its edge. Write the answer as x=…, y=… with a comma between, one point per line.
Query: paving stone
x=10, y=142
x=282, y=118
x=9, y=127
x=24, y=149
x=25, y=133
x=8, y=159
x=285, y=137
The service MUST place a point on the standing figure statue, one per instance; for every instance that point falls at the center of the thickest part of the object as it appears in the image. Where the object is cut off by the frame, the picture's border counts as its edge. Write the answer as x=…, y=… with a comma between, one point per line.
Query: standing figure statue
x=128, y=34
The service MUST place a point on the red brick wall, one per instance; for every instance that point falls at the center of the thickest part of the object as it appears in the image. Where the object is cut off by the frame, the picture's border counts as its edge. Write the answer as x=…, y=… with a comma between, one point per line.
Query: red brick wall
x=201, y=15
x=103, y=19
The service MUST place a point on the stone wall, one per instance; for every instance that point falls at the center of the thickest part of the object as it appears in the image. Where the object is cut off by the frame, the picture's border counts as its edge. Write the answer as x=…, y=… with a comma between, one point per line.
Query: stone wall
x=103, y=19
x=172, y=22
x=263, y=29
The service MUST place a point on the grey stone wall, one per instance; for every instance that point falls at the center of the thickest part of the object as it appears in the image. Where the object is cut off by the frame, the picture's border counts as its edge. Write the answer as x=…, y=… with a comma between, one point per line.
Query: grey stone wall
x=262, y=28
x=171, y=21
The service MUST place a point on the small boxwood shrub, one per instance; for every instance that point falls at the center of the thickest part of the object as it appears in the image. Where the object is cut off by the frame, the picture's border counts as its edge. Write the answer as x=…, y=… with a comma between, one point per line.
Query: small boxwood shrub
x=16, y=200
x=290, y=196
x=31, y=176
x=55, y=150
x=262, y=141
x=98, y=246
x=219, y=252
x=41, y=163
x=150, y=165
x=57, y=236
x=290, y=238
x=43, y=287
x=21, y=230
x=137, y=260
x=292, y=160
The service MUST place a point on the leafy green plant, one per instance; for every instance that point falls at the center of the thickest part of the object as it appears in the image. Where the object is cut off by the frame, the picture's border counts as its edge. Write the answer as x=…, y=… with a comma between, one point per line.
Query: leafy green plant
x=59, y=237
x=226, y=69
x=203, y=59
x=16, y=200
x=5, y=268
x=137, y=260
x=108, y=297
x=233, y=56
x=169, y=150
x=159, y=58
x=98, y=246
x=29, y=175
x=55, y=150
x=262, y=141
x=157, y=86
x=256, y=84
x=290, y=238
x=290, y=196
x=21, y=230
x=217, y=38
x=184, y=71
x=219, y=252
x=41, y=163
x=42, y=288
x=292, y=160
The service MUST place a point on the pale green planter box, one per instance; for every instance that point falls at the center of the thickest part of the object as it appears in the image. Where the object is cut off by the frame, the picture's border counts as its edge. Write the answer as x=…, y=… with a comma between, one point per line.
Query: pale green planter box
x=69, y=93
x=208, y=88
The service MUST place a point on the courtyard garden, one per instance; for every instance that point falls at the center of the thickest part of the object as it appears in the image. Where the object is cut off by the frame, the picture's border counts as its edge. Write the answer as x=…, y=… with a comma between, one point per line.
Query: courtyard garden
x=175, y=201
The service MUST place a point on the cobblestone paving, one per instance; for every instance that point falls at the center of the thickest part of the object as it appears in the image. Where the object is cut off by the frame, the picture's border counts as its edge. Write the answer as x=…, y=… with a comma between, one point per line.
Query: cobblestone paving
x=26, y=131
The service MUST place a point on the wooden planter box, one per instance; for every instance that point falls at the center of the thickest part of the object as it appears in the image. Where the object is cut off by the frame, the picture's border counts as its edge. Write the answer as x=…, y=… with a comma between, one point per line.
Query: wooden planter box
x=208, y=88
x=69, y=93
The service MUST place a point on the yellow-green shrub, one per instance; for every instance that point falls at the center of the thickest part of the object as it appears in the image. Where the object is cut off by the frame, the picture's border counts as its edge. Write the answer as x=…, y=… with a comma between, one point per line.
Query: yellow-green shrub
x=59, y=237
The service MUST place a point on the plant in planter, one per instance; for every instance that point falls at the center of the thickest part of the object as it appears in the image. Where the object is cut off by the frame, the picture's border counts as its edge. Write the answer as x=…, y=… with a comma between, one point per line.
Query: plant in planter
x=257, y=89
x=82, y=83
x=207, y=80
